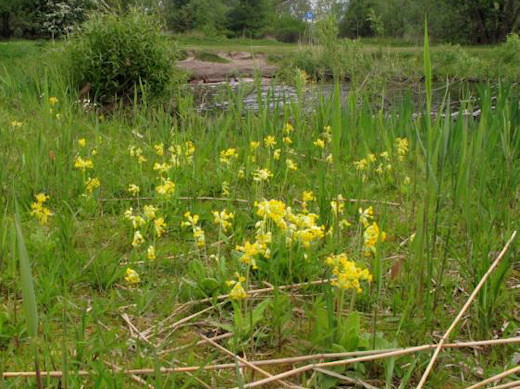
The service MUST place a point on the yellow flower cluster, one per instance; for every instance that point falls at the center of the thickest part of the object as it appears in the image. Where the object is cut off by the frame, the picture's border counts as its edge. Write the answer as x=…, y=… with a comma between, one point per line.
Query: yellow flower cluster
x=260, y=175
x=298, y=227
x=372, y=234
x=167, y=188
x=347, y=274
x=83, y=164
x=402, y=147
x=132, y=277
x=138, y=221
x=91, y=184
x=222, y=219
x=198, y=233
x=228, y=156
x=39, y=210
x=237, y=292
x=371, y=237
x=270, y=142
x=182, y=154
x=137, y=152
x=323, y=141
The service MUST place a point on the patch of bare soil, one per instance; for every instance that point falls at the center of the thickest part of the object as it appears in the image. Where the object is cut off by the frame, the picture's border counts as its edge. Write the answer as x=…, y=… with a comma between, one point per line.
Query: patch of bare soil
x=241, y=65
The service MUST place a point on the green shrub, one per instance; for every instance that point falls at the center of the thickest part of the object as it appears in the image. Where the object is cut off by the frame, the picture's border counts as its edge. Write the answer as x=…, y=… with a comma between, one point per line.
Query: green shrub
x=119, y=55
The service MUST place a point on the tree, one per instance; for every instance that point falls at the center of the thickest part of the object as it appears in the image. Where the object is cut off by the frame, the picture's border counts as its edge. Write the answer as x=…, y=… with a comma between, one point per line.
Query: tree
x=249, y=18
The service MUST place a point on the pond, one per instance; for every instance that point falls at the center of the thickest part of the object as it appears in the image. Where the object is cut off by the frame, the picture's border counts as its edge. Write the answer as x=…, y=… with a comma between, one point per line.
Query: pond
x=250, y=94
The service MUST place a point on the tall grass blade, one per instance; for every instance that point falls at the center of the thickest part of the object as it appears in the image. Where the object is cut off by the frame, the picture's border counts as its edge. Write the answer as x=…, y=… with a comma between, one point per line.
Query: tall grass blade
x=26, y=281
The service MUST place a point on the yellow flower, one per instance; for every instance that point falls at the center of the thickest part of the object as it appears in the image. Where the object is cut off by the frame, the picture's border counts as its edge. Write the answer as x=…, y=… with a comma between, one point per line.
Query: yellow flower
x=138, y=153
x=308, y=196
x=238, y=292
x=159, y=149
x=222, y=219
x=262, y=175
x=53, y=100
x=16, y=124
x=291, y=165
x=319, y=143
x=161, y=167
x=132, y=277
x=365, y=215
x=270, y=141
x=192, y=220
x=287, y=140
x=361, y=165
x=149, y=211
x=328, y=159
x=288, y=128
x=41, y=197
x=241, y=173
x=254, y=145
x=150, y=253
x=227, y=156
x=402, y=146
x=338, y=205
x=371, y=237
x=138, y=239
x=82, y=142
x=167, y=188
x=347, y=274
x=371, y=157
x=83, y=164
x=39, y=211
x=94, y=152
x=199, y=236
x=91, y=184
x=276, y=154
x=160, y=226
x=133, y=189
x=225, y=188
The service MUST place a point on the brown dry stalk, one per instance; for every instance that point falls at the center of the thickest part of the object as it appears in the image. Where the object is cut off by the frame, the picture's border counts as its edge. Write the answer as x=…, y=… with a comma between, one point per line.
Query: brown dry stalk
x=137, y=379
x=495, y=378
x=463, y=311
x=180, y=348
x=242, y=360
x=371, y=355
x=354, y=381
x=509, y=385
x=395, y=353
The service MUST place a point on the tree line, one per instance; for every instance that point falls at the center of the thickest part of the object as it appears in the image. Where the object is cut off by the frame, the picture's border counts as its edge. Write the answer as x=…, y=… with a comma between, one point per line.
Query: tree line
x=455, y=21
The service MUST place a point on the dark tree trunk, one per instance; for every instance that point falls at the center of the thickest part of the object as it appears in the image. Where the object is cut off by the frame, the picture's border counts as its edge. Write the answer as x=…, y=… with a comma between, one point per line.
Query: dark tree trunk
x=5, y=25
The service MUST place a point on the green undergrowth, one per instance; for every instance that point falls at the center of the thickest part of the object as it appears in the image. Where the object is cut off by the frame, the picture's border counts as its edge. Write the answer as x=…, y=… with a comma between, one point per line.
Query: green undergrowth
x=443, y=190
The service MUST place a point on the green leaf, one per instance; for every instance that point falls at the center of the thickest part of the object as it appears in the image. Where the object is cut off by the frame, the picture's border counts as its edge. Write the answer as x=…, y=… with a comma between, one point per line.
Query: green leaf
x=351, y=327
x=26, y=280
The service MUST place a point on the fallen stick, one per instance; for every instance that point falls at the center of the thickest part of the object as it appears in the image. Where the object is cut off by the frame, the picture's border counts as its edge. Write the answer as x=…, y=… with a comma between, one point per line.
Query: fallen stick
x=345, y=362
x=180, y=348
x=495, y=378
x=463, y=311
x=245, y=362
x=370, y=355
x=132, y=376
x=354, y=381
x=509, y=385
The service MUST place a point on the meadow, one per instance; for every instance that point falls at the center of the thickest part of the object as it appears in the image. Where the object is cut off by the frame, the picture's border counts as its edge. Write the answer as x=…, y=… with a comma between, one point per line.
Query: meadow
x=284, y=246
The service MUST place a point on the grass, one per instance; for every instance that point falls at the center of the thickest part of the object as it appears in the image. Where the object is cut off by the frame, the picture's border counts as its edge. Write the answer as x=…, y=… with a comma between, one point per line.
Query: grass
x=444, y=190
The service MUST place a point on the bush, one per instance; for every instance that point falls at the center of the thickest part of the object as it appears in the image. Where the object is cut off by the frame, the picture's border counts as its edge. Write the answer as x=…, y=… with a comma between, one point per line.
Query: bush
x=119, y=55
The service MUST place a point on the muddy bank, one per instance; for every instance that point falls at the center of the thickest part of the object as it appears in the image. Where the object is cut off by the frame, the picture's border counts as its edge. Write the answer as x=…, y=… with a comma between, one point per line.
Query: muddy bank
x=238, y=66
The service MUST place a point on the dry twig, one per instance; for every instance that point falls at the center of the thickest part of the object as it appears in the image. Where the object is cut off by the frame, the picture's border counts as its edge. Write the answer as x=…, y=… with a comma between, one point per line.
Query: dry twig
x=463, y=311
x=495, y=378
